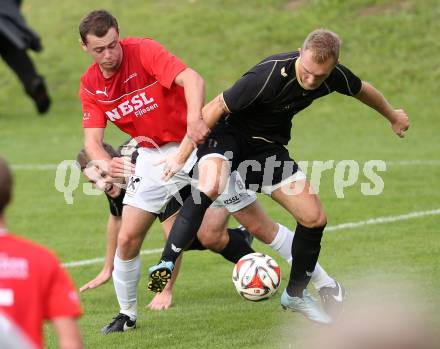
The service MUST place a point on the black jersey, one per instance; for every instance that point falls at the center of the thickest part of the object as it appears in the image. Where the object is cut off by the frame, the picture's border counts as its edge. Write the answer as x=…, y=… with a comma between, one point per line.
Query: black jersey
x=264, y=100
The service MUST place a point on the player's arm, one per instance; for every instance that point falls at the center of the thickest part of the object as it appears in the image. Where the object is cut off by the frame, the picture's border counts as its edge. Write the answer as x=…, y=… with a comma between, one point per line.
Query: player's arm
x=118, y=167
x=211, y=112
x=113, y=225
x=194, y=88
x=67, y=331
x=370, y=96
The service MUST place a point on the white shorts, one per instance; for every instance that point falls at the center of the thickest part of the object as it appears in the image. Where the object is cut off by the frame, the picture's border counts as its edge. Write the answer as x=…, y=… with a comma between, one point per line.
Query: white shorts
x=146, y=189
x=235, y=196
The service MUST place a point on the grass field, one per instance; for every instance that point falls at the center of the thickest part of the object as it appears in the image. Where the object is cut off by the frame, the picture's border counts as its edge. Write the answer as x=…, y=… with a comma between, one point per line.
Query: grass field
x=393, y=44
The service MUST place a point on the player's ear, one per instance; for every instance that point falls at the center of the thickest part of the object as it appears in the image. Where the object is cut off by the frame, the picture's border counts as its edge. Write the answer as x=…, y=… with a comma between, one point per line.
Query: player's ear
x=83, y=45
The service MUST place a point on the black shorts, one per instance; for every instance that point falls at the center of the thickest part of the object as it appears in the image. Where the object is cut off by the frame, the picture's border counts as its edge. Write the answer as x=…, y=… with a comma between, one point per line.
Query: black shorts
x=262, y=165
x=174, y=205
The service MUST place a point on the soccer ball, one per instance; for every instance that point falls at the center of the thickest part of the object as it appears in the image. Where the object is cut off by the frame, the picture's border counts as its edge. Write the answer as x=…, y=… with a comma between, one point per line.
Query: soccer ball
x=256, y=276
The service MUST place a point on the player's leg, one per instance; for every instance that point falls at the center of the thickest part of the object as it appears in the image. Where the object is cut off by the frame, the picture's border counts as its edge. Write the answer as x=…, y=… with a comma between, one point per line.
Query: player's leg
x=213, y=175
x=145, y=196
x=127, y=266
x=280, y=238
x=212, y=233
x=276, y=236
x=304, y=205
x=163, y=300
x=22, y=65
x=215, y=235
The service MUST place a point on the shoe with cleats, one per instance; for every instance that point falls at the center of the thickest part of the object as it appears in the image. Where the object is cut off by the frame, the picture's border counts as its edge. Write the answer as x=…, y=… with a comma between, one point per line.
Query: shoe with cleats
x=305, y=305
x=160, y=274
x=332, y=299
x=120, y=323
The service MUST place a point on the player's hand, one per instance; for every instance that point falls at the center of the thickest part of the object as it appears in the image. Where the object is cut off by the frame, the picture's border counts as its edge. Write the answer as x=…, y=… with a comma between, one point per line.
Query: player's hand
x=99, y=280
x=162, y=300
x=172, y=164
x=197, y=131
x=120, y=167
x=400, y=122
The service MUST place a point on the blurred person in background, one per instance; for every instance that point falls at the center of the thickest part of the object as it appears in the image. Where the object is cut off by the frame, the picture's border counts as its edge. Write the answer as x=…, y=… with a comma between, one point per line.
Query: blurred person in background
x=15, y=39
x=33, y=287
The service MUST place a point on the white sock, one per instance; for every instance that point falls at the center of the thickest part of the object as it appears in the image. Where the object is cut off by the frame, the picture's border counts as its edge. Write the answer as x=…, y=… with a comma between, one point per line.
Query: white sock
x=126, y=276
x=283, y=245
x=321, y=279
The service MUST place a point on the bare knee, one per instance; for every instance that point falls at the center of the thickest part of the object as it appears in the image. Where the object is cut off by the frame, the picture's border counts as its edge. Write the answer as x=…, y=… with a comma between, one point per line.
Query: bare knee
x=213, y=240
x=214, y=173
x=128, y=246
x=315, y=219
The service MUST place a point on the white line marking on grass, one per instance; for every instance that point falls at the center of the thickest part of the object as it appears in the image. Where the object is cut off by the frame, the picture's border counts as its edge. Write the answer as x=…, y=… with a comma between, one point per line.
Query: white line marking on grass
x=101, y=259
x=382, y=220
x=34, y=167
x=378, y=220
x=412, y=162
x=47, y=167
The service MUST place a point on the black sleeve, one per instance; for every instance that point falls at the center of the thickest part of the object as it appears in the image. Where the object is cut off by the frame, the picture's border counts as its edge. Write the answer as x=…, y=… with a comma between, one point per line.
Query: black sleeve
x=250, y=89
x=345, y=81
x=115, y=204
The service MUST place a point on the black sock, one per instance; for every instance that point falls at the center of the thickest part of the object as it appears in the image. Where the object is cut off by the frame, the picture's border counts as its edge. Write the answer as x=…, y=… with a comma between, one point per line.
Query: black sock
x=195, y=245
x=187, y=224
x=236, y=248
x=305, y=252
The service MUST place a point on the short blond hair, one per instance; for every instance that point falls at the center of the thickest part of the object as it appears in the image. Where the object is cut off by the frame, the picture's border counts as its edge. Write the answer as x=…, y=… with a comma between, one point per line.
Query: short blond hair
x=324, y=44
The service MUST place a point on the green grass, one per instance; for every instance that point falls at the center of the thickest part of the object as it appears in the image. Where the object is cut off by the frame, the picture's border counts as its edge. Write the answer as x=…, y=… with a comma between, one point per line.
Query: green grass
x=390, y=43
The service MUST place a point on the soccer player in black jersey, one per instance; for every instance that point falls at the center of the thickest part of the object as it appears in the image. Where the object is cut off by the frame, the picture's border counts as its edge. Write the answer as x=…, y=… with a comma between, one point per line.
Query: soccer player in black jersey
x=253, y=121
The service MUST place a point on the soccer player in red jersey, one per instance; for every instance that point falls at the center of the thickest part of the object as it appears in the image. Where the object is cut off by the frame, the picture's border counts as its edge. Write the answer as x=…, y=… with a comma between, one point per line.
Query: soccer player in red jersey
x=148, y=93
x=33, y=287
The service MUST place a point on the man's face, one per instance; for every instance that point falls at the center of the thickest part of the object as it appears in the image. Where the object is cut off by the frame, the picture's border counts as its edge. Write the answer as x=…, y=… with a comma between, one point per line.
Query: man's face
x=105, y=51
x=101, y=181
x=313, y=74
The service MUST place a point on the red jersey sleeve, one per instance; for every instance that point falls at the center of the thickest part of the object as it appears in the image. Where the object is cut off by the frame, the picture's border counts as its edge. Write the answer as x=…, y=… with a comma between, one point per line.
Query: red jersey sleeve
x=160, y=63
x=62, y=299
x=93, y=117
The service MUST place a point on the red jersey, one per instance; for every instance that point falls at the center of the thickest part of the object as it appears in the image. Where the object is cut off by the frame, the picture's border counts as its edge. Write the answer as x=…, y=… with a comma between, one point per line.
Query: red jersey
x=33, y=287
x=141, y=98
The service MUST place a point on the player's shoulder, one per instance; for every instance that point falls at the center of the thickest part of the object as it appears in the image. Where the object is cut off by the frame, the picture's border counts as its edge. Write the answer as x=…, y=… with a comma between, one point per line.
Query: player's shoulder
x=341, y=73
x=90, y=77
x=134, y=43
x=279, y=58
x=275, y=63
x=340, y=70
x=31, y=250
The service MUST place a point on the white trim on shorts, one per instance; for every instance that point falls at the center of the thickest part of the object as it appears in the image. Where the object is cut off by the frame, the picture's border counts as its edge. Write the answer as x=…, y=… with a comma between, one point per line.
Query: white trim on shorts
x=297, y=176
x=213, y=155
